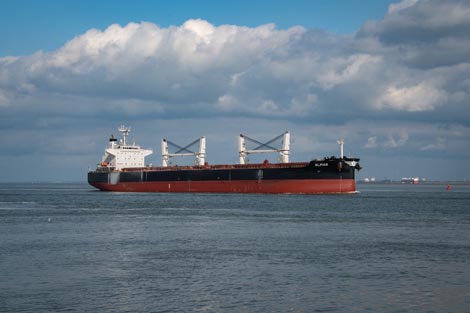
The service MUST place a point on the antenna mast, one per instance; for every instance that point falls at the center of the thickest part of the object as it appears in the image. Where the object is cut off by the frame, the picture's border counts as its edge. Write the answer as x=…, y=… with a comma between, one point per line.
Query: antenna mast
x=124, y=132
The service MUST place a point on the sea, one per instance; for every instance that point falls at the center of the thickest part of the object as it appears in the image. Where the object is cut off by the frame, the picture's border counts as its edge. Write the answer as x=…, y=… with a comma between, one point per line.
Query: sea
x=388, y=248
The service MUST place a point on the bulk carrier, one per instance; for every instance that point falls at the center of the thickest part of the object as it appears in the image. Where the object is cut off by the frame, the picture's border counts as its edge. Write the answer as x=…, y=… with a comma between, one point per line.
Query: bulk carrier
x=123, y=169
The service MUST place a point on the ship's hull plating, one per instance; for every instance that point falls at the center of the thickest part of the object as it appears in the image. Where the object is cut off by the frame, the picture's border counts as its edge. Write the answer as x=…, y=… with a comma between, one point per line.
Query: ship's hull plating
x=332, y=176
x=267, y=186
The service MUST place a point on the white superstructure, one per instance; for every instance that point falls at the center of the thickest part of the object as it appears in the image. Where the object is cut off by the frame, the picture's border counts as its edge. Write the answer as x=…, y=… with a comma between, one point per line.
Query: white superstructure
x=120, y=154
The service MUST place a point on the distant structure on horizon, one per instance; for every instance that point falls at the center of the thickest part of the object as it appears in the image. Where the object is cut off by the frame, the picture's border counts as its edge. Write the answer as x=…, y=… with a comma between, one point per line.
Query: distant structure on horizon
x=404, y=180
x=411, y=180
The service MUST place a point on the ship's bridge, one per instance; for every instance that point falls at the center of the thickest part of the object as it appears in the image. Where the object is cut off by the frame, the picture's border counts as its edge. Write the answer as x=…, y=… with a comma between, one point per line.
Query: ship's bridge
x=121, y=155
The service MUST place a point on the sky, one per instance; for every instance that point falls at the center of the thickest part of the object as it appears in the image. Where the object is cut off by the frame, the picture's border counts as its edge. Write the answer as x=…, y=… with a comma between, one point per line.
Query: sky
x=392, y=78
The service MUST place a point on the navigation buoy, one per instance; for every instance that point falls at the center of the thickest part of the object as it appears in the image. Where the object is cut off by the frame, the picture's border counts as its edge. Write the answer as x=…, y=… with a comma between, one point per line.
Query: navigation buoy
x=448, y=187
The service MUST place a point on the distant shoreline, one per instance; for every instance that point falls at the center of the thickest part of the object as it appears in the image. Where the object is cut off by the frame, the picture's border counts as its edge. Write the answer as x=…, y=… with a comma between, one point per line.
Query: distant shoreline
x=429, y=182
x=361, y=182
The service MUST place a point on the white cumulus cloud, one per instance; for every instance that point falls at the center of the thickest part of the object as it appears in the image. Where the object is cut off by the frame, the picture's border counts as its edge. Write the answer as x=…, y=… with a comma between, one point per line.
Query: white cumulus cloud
x=421, y=97
x=396, y=7
x=410, y=68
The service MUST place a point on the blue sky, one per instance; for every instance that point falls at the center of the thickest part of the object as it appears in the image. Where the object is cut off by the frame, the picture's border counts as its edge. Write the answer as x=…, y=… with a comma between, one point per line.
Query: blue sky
x=390, y=77
x=27, y=26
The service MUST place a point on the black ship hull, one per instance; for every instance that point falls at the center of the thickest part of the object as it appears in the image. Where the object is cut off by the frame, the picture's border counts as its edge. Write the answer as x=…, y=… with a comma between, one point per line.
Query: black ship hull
x=331, y=175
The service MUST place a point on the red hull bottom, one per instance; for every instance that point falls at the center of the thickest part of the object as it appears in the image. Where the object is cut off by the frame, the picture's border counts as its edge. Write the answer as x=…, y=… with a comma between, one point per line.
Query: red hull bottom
x=242, y=186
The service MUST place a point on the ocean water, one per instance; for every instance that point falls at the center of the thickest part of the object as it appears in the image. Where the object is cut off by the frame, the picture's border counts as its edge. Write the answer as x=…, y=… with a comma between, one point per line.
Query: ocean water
x=390, y=248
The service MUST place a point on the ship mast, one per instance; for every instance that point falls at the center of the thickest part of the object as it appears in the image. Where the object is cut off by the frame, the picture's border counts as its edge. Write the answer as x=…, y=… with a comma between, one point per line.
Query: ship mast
x=124, y=133
x=341, y=145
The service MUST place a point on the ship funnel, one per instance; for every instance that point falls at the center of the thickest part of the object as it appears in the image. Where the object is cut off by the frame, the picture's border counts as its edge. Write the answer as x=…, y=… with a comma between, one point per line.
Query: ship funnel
x=112, y=142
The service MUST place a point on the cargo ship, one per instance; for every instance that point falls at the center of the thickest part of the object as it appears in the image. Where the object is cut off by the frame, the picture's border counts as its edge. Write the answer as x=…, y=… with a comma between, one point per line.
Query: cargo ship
x=123, y=169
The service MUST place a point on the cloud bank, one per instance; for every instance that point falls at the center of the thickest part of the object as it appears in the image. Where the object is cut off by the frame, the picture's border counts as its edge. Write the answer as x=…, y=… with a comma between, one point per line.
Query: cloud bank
x=398, y=84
